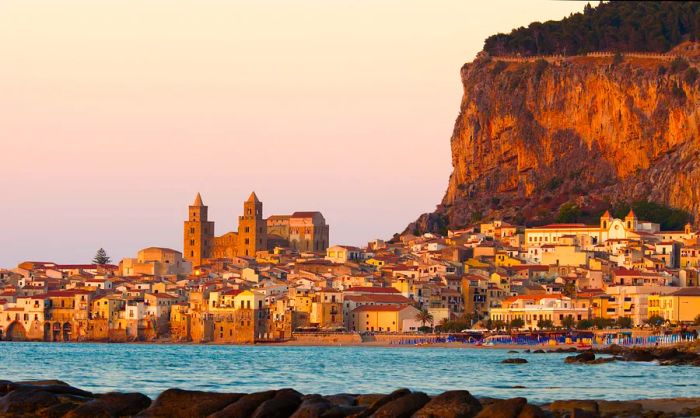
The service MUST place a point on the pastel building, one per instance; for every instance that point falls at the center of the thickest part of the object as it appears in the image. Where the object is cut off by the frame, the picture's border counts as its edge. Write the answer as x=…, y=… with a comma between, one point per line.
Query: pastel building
x=538, y=307
x=384, y=318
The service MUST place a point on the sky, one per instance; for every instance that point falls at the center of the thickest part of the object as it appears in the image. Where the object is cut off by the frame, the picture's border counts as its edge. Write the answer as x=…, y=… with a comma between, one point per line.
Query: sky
x=115, y=113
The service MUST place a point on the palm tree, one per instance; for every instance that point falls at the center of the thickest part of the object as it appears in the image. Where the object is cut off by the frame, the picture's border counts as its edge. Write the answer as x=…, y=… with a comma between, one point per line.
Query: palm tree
x=424, y=317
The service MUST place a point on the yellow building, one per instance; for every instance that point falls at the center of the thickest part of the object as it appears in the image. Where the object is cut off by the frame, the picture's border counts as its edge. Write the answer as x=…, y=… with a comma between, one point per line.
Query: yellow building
x=680, y=306
x=565, y=255
x=384, y=318
x=690, y=256
x=498, y=229
x=501, y=281
x=327, y=309
x=502, y=259
x=534, y=308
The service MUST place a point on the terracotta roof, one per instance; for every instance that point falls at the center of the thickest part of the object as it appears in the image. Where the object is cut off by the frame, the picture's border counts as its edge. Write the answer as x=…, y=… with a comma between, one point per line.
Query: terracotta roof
x=307, y=214
x=687, y=291
x=380, y=308
x=372, y=289
x=84, y=266
x=565, y=226
x=534, y=297
x=378, y=298
x=66, y=293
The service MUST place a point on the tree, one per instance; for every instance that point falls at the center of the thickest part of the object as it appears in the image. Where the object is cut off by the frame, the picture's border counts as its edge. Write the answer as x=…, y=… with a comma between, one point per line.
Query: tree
x=624, y=322
x=568, y=213
x=545, y=324
x=602, y=323
x=568, y=322
x=101, y=257
x=655, y=321
x=424, y=317
x=584, y=324
x=569, y=289
x=517, y=323
x=497, y=325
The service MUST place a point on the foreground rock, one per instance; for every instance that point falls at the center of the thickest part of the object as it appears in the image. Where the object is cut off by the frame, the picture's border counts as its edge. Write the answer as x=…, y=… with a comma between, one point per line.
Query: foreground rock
x=56, y=399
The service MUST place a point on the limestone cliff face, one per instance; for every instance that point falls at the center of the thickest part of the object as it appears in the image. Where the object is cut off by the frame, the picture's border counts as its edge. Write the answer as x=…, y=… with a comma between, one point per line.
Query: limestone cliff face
x=532, y=135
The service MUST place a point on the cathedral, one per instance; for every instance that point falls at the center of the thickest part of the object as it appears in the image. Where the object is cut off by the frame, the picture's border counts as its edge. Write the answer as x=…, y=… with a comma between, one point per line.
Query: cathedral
x=301, y=231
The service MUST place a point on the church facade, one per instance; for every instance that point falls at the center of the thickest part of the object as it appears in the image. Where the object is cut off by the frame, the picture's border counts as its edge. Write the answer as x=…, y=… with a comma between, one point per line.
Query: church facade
x=301, y=231
x=609, y=229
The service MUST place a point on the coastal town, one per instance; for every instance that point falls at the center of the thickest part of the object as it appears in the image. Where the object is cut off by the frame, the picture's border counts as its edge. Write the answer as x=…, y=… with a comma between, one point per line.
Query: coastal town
x=278, y=279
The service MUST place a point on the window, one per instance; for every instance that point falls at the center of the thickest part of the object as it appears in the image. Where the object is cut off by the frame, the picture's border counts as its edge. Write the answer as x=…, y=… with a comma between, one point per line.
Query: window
x=247, y=229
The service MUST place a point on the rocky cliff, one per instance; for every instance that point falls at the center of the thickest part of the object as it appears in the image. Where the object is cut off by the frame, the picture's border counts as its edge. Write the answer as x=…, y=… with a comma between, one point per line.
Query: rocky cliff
x=535, y=133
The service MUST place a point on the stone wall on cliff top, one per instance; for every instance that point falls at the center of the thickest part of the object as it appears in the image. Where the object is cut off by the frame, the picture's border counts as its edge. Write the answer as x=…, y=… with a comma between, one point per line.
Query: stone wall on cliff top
x=592, y=130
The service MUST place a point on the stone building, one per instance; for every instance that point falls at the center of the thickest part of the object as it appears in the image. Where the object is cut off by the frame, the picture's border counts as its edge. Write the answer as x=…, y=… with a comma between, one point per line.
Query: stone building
x=302, y=231
x=198, y=233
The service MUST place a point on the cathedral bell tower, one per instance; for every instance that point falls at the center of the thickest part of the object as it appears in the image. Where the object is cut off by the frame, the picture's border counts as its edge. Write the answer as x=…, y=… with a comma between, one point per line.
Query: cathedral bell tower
x=252, y=228
x=631, y=221
x=198, y=233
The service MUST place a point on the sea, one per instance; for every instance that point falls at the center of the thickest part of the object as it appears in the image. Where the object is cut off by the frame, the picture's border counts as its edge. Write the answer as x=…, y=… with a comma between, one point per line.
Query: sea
x=152, y=368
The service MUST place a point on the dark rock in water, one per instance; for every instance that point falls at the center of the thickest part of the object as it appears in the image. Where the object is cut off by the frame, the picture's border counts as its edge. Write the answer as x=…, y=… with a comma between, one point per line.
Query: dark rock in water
x=619, y=408
x=509, y=408
x=312, y=406
x=52, y=386
x=403, y=407
x=112, y=405
x=374, y=407
x=26, y=401
x=539, y=351
x=585, y=357
x=638, y=355
x=57, y=411
x=368, y=399
x=582, y=413
x=50, y=382
x=571, y=405
x=602, y=360
x=526, y=351
x=245, y=406
x=512, y=351
x=450, y=404
x=514, y=361
x=342, y=411
x=178, y=403
x=519, y=387
x=614, y=349
x=285, y=402
x=4, y=386
x=342, y=399
x=531, y=411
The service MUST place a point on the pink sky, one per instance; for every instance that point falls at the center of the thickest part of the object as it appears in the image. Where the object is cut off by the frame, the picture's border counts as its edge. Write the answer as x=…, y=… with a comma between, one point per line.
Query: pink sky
x=114, y=113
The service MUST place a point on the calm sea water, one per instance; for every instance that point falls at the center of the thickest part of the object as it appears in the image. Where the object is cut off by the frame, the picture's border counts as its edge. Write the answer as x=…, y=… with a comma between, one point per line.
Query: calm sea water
x=151, y=369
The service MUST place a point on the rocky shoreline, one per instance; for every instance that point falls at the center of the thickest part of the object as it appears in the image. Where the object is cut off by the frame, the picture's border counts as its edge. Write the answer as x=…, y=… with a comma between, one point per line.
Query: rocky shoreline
x=54, y=399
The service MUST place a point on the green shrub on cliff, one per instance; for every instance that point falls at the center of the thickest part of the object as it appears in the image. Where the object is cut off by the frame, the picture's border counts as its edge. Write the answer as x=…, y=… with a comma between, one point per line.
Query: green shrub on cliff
x=611, y=26
x=568, y=213
x=669, y=218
